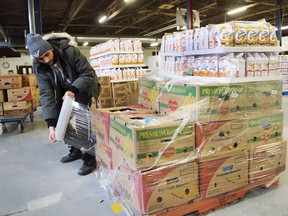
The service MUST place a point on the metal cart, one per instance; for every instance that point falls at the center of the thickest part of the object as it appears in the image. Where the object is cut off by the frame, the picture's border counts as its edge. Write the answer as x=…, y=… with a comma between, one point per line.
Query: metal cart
x=19, y=119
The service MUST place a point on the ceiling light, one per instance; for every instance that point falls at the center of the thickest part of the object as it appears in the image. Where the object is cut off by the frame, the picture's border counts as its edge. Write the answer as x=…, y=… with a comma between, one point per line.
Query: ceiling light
x=237, y=10
x=85, y=43
x=284, y=27
x=154, y=44
x=102, y=19
x=126, y=1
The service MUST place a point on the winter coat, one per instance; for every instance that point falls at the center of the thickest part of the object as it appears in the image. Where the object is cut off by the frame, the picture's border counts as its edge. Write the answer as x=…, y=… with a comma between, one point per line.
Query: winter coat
x=75, y=67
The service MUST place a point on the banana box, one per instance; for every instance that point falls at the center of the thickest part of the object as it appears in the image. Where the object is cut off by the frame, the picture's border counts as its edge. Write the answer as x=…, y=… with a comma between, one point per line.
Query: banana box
x=147, y=140
x=267, y=161
x=220, y=102
x=216, y=140
x=264, y=128
x=223, y=175
x=264, y=95
x=108, y=155
x=146, y=192
x=176, y=96
x=101, y=120
x=29, y=80
x=10, y=81
x=21, y=94
x=1, y=109
x=148, y=93
x=17, y=108
x=3, y=96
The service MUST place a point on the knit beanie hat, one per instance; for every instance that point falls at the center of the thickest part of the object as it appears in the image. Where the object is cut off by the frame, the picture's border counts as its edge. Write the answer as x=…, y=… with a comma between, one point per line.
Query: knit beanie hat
x=37, y=45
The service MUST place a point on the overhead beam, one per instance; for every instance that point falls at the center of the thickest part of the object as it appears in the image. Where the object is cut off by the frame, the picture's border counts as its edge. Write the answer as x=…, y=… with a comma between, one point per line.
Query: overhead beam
x=73, y=11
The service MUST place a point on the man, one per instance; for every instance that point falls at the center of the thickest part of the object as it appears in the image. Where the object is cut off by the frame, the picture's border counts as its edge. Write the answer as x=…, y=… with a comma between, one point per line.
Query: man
x=62, y=70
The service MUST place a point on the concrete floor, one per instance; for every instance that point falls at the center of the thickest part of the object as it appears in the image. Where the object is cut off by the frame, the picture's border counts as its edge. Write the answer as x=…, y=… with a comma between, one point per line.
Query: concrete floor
x=33, y=182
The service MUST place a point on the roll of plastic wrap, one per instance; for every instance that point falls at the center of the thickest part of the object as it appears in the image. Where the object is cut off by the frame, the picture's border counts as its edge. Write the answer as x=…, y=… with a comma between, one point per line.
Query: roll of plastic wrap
x=64, y=117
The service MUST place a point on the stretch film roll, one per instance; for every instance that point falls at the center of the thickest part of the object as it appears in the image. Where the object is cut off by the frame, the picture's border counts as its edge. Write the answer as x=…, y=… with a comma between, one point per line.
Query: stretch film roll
x=64, y=117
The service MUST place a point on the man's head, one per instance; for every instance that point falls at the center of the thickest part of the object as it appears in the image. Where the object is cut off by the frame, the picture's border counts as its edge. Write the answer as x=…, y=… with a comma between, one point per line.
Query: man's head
x=40, y=48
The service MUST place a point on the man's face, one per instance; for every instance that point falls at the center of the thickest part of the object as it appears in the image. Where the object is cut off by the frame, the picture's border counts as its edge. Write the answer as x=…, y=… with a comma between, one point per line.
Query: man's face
x=47, y=57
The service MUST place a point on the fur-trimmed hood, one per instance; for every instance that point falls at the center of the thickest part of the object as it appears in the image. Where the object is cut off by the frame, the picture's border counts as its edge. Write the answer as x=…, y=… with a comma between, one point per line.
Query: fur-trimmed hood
x=55, y=35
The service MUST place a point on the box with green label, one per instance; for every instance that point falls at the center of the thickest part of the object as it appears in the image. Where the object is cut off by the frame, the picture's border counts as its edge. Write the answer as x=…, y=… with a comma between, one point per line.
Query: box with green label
x=264, y=128
x=218, y=102
x=177, y=95
x=264, y=95
x=147, y=140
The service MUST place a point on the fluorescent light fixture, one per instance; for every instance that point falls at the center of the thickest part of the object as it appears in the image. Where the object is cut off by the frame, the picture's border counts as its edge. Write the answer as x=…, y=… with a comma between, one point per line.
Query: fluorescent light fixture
x=102, y=19
x=126, y=1
x=154, y=44
x=85, y=43
x=237, y=10
x=284, y=27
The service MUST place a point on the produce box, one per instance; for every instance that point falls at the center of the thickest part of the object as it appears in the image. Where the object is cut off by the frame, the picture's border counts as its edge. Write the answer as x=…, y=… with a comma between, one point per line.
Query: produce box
x=148, y=140
x=156, y=189
x=10, y=81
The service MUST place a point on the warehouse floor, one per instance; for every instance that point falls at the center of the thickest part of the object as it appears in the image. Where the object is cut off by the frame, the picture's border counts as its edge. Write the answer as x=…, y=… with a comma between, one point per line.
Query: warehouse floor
x=34, y=182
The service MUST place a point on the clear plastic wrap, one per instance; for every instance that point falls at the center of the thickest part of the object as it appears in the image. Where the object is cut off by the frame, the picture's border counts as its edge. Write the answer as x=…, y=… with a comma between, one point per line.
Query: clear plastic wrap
x=191, y=145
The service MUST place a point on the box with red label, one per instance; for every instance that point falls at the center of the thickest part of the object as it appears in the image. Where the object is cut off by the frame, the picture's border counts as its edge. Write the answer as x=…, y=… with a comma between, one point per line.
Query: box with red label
x=17, y=108
x=146, y=192
x=29, y=80
x=218, y=102
x=3, y=96
x=10, y=81
x=107, y=155
x=21, y=94
x=177, y=95
x=216, y=140
x=149, y=92
x=223, y=175
x=264, y=128
x=149, y=140
x=101, y=120
x=267, y=160
x=264, y=95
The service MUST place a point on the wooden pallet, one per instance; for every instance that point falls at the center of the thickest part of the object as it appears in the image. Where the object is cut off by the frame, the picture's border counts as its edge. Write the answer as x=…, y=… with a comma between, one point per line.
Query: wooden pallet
x=203, y=206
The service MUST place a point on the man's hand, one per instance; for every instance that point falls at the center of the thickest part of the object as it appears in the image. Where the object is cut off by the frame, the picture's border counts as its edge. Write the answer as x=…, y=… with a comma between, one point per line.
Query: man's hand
x=69, y=94
x=52, y=137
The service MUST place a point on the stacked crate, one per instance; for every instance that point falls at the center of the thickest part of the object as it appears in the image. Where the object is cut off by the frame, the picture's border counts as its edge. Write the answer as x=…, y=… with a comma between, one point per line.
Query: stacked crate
x=206, y=141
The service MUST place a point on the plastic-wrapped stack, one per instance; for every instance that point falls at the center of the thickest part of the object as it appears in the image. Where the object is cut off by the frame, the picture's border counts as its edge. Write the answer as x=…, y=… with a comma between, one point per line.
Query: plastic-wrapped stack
x=191, y=146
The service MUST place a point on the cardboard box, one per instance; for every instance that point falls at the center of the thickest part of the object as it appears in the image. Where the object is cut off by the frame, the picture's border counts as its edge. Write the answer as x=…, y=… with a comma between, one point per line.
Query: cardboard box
x=10, y=81
x=264, y=128
x=216, y=140
x=165, y=187
x=219, y=102
x=1, y=109
x=106, y=92
x=17, y=108
x=119, y=90
x=105, y=103
x=3, y=96
x=101, y=120
x=104, y=80
x=223, y=175
x=29, y=80
x=179, y=95
x=148, y=140
x=148, y=93
x=21, y=94
x=267, y=160
x=264, y=95
x=121, y=101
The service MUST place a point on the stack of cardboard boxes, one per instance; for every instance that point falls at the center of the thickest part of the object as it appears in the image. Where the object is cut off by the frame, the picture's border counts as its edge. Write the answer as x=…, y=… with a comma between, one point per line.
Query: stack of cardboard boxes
x=18, y=94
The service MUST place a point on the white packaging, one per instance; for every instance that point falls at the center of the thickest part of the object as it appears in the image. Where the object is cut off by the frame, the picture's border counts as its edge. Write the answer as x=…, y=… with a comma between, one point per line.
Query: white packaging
x=264, y=64
x=250, y=65
x=257, y=66
x=64, y=118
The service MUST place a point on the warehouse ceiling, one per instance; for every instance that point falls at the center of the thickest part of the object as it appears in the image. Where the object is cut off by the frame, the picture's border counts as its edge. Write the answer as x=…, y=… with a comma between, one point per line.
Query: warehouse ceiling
x=136, y=18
